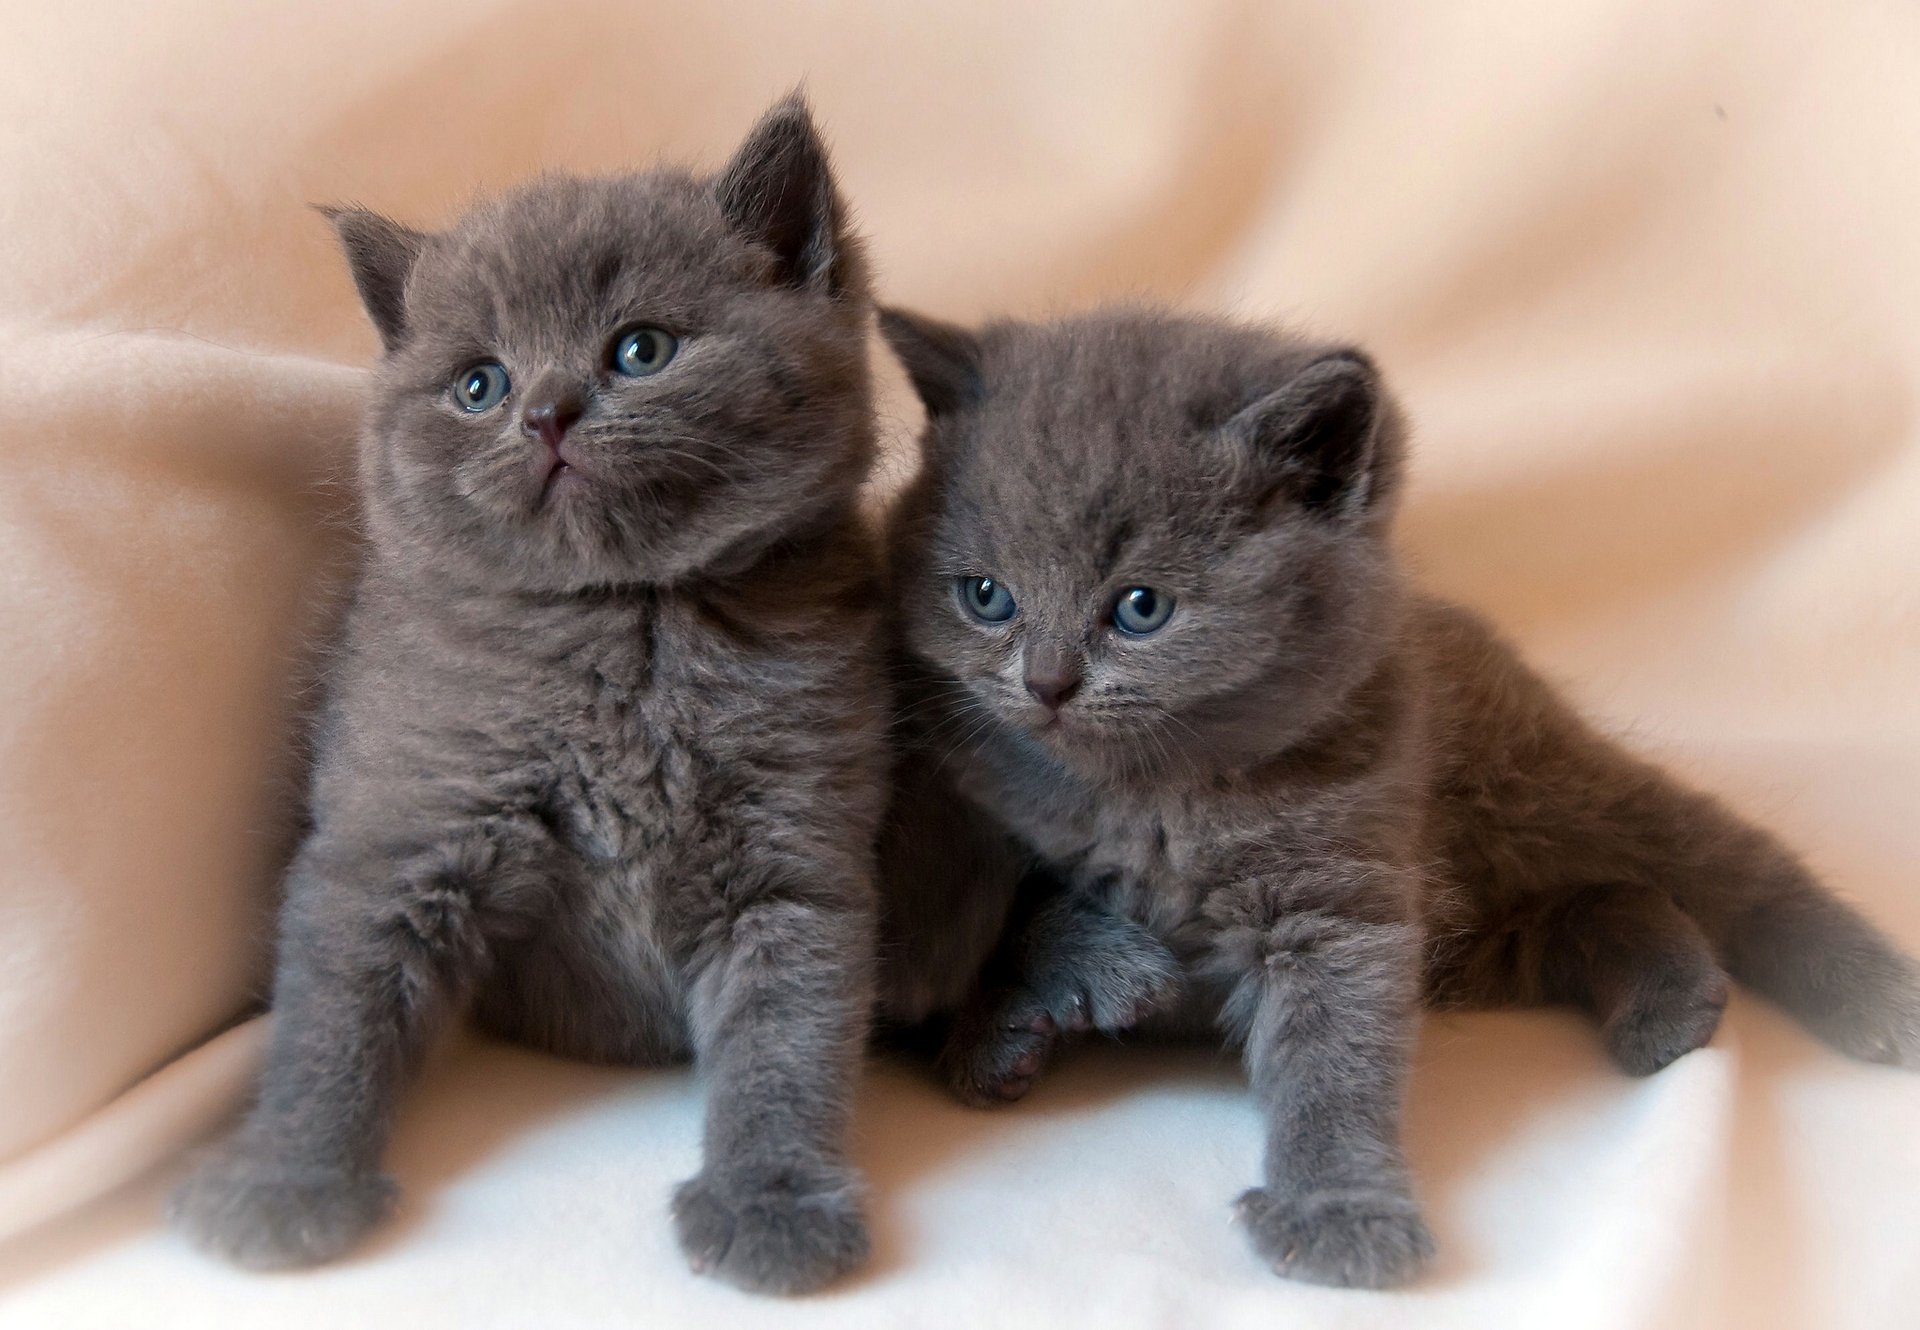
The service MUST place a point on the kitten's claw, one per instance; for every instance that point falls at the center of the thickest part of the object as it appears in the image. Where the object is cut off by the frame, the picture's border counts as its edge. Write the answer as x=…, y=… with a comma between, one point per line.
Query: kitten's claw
x=791, y=1232
x=1348, y=1239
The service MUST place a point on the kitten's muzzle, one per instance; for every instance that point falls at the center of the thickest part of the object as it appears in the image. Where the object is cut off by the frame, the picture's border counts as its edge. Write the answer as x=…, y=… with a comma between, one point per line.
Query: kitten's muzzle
x=548, y=417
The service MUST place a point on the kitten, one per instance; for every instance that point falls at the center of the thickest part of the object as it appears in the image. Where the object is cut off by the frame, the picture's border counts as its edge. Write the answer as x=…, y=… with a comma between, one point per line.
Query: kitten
x=602, y=759
x=1147, y=568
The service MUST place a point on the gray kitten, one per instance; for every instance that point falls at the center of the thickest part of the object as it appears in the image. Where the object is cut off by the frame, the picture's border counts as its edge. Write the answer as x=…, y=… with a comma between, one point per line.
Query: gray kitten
x=1146, y=582
x=601, y=760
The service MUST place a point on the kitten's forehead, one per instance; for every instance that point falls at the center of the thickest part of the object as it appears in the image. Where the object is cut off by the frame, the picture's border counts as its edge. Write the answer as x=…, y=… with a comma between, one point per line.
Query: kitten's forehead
x=565, y=251
x=1100, y=431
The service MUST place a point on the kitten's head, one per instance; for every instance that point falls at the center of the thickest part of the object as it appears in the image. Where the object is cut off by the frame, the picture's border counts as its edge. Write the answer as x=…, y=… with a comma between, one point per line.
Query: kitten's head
x=590, y=382
x=1143, y=539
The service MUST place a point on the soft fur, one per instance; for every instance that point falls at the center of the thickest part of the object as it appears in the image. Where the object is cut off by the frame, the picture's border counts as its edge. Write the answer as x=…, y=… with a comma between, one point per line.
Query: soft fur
x=1311, y=798
x=603, y=752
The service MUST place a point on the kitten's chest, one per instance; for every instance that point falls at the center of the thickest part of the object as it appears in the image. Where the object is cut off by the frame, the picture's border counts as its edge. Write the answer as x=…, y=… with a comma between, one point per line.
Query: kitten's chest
x=1153, y=853
x=1144, y=857
x=593, y=738
x=648, y=744
x=1141, y=854
x=625, y=781
x=676, y=745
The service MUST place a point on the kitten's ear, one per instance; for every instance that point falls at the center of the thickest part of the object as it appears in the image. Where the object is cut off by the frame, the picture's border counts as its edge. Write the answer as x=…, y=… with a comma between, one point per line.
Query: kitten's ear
x=778, y=190
x=942, y=359
x=1319, y=436
x=381, y=253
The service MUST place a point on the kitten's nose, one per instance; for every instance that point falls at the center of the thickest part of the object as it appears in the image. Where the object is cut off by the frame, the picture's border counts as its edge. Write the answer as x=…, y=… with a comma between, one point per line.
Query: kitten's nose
x=551, y=418
x=1052, y=678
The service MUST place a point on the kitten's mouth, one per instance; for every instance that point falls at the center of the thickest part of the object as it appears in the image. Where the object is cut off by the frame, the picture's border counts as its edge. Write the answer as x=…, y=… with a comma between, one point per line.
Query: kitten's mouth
x=1051, y=724
x=559, y=473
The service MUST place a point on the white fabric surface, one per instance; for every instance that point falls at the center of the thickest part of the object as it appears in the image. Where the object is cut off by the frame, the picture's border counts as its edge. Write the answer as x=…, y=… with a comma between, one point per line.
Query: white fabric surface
x=1646, y=273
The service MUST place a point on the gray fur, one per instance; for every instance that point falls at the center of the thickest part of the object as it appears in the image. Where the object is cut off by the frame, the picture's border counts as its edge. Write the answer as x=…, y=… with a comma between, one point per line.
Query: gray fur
x=602, y=756
x=1326, y=795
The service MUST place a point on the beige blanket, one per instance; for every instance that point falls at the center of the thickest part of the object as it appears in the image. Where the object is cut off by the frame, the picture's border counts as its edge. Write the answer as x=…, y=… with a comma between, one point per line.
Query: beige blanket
x=1646, y=274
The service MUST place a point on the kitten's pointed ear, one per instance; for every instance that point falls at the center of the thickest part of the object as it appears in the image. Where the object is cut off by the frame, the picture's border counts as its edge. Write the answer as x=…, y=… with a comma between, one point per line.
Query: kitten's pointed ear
x=1319, y=437
x=778, y=190
x=942, y=359
x=381, y=253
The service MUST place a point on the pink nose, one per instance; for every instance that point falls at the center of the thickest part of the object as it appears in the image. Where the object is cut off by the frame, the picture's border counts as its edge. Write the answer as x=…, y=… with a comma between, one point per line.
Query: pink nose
x=1053, y=687
x=551, y=420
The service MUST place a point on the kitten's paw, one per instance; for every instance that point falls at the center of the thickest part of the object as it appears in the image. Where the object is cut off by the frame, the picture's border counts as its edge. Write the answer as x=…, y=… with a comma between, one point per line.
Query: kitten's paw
x=1088, y=971
x=993, y=1056
x=1114, y=985
x=263, y=1214
x=1348, y=1239
x=1667, y=1019
x=789, y=1233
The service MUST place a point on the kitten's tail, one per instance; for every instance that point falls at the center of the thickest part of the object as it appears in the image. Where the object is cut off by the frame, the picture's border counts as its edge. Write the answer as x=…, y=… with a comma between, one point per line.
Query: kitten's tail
x=1623, y=888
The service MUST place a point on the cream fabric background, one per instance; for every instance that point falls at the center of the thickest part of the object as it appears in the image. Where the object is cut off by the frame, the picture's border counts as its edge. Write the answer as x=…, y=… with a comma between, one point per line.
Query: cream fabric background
x=1647, y=276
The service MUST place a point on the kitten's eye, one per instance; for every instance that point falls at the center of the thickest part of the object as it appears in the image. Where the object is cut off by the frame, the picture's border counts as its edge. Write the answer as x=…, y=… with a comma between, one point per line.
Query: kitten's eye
x=480, y=387
x=985, y=599
x=643, y=351
x=1142, y=610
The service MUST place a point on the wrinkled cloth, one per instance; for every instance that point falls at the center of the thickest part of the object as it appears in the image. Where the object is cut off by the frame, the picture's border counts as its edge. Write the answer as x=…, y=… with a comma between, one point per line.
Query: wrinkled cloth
x=1646, y=277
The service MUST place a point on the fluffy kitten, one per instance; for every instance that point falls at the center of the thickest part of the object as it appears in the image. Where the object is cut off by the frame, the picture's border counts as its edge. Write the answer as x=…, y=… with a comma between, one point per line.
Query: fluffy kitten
x=1147, y=579
x=601, y=759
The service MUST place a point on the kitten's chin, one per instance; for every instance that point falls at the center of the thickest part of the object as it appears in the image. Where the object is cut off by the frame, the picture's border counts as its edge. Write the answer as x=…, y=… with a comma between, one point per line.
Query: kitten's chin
x=1138, y=749
x=562, y=480
x=1079, y=744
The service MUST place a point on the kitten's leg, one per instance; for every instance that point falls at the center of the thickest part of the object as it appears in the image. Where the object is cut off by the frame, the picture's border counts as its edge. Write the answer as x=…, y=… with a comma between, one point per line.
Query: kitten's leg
x=1070, y=966
x=1593, y=812
x=1327, y=1005
x=1622, y=952
x=372, y=958
x=780, y=1015
x=1629, y=957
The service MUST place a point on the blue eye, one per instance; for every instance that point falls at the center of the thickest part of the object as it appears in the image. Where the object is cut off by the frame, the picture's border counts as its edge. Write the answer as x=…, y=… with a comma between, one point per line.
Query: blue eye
x=480, y=387
x=643, y=351
x=985, y=599
x=1142, y=610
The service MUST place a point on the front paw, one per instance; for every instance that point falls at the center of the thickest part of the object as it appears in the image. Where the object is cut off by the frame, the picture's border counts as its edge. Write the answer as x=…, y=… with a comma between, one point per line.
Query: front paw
x=262, y=1213
x=995, y=1050
x=1110, y=981
x=1115, y=985
x=1350, y=1239
x=791, y=1232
